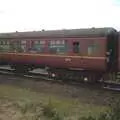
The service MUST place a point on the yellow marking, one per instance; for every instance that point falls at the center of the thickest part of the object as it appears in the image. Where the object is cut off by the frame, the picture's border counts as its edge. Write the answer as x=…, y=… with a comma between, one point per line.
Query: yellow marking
x=50, y=55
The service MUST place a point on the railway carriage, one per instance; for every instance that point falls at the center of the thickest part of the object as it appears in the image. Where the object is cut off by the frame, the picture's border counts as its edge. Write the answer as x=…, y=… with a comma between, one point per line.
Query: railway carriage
x=86, y=54
x=119, y=52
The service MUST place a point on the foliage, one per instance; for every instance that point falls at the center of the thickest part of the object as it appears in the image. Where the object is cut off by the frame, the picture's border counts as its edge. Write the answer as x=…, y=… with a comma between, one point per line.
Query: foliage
x=87, y=118
x=112, y=114
x=51, y=112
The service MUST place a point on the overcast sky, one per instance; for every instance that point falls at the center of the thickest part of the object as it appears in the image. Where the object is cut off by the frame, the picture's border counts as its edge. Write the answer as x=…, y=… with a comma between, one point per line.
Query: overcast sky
x=33, y=15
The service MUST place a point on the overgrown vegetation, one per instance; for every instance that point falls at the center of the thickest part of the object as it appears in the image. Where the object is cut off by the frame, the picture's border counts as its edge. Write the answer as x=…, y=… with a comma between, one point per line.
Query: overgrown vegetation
x=51, y=112
x=113, y=113
x=29, y=105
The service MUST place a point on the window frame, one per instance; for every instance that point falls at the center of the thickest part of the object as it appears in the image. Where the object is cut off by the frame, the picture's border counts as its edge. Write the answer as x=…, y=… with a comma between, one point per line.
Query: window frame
x=59, y=46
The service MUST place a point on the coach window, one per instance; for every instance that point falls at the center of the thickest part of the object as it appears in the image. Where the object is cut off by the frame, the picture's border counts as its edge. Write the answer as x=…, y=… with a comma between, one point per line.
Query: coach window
x=4, y=46
x=1, y=46
x=58, y=46
x=38, y=46
x=76, y=47
x=92, y=49
x=1, y=42
x=15, y=46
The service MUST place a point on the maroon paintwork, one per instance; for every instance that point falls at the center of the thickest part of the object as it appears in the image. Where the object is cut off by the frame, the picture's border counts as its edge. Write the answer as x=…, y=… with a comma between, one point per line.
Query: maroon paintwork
x=119, y=52
x=68, y=60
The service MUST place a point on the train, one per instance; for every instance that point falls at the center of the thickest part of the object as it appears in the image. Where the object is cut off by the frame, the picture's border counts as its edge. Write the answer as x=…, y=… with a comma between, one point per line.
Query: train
x=90, y=54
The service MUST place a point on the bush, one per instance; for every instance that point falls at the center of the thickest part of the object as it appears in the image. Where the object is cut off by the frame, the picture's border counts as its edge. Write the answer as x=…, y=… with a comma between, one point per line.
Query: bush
x=51, y=112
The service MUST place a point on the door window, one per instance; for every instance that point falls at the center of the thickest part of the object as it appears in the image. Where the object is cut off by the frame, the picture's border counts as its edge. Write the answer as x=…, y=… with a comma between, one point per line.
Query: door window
x=76, y=47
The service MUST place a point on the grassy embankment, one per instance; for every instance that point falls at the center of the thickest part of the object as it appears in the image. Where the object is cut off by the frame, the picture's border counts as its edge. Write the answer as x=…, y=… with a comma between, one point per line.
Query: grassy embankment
x=24, y=104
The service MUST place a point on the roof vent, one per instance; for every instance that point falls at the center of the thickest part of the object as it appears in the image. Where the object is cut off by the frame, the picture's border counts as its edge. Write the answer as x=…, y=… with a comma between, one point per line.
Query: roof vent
x=93, y=27
x=43, y=29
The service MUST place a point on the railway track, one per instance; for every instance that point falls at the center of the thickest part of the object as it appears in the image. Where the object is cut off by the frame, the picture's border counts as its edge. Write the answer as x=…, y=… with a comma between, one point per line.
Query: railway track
x=111, y=86
x=33, y=76
x=45, y=77
x=27, y=75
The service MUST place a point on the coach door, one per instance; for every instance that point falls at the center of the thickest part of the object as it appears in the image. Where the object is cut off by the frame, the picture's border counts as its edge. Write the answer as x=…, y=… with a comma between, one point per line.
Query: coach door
x=112, y=51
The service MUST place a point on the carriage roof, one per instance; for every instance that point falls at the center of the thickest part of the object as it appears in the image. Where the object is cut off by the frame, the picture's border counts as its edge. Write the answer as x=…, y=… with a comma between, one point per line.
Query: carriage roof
x=60, y=33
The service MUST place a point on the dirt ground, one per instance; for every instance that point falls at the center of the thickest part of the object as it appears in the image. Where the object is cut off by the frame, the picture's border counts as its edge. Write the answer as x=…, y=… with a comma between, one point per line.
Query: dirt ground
x=7, y=111
x=90, y=94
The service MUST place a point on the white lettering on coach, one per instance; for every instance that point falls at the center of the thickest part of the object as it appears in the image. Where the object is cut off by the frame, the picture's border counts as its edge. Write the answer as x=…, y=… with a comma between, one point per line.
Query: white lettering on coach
x=67, y=59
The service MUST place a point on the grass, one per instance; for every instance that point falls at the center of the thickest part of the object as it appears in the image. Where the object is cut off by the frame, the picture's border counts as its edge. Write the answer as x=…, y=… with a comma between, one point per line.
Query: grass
x=34, y=106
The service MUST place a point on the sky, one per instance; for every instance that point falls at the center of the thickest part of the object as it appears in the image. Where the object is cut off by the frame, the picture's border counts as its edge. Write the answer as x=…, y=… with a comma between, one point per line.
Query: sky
x=35, y=15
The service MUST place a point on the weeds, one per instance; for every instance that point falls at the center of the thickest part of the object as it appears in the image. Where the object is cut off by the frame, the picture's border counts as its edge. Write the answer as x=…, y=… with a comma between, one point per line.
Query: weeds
x=112, y=114
x=51, y=112
x=87, y=118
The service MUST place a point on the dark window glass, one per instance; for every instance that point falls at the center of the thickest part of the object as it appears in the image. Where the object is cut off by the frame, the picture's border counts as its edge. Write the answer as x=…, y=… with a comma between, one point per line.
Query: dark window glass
x=76, y=47
x=1, y=42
